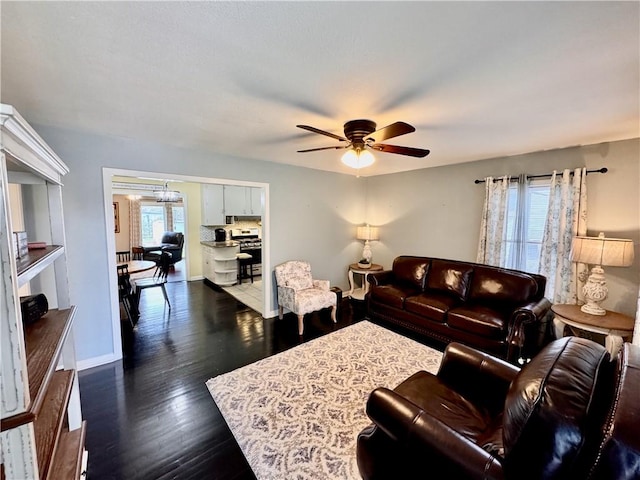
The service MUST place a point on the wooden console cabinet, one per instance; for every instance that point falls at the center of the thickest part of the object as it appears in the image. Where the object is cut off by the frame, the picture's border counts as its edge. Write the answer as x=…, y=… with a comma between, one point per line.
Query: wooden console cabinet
x=43, y=432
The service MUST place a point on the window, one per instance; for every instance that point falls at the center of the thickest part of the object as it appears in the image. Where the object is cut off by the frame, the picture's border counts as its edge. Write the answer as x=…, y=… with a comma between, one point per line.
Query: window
x=526, y=216
x=154, y=221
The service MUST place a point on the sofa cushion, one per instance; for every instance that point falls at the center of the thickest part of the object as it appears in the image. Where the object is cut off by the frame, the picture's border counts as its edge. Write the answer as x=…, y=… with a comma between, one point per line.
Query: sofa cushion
x=452, y=277
x=433, y=305
x=500, y=286
x=454, y=410
x=410, y=271
x=479, y=320
x=391, y=295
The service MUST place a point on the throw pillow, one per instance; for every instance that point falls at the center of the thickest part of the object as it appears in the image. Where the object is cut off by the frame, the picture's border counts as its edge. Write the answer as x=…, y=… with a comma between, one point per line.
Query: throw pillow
x=300, y=282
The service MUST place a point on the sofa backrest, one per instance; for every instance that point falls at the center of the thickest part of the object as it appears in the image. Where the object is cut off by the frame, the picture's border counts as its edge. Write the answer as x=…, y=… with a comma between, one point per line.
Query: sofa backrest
x=503, y=286
x=554, y=411
x=450, y=276
x=411, y=271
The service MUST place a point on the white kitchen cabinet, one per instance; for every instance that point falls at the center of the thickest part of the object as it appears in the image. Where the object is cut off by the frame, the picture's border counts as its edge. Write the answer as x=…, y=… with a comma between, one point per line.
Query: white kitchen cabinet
x=42, y=428
x=220, y=264
x=239, y=200
x=212, y=204
x=255, y=200
x=235, y=200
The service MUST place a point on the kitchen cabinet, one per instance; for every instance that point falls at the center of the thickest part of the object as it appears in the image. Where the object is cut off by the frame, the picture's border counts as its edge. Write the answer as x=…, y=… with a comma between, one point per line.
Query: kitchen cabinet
x=42, y=428
x=239, y=200
x=255, y=200
x=212, y=204
x=235, y=200
x=220, y=262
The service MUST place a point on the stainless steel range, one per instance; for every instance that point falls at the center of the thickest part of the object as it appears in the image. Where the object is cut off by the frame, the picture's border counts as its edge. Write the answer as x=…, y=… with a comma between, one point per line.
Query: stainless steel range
x=251, y=243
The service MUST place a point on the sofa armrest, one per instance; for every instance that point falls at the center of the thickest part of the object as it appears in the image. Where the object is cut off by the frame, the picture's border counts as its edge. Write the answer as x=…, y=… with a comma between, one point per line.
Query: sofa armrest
x=380, y=278
x=405, y=422
x=476, y=375
x=321, y=284
x=526, y=314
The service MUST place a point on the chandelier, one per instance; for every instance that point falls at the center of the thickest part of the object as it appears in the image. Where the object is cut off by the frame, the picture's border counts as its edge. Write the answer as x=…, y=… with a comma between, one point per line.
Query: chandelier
x=166, y=195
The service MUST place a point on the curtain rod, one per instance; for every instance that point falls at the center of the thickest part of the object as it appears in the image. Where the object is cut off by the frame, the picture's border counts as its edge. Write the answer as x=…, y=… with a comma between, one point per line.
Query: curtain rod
x=546, y=175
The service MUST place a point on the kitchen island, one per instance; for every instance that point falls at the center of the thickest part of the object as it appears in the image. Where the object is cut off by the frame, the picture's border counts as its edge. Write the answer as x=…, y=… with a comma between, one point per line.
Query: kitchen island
x=219, y=262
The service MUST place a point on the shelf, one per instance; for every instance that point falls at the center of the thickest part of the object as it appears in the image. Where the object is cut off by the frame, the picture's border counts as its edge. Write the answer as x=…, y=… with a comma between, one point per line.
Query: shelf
x=49, y=425
x=67, y=463
x=36, y=261
x=43, y=344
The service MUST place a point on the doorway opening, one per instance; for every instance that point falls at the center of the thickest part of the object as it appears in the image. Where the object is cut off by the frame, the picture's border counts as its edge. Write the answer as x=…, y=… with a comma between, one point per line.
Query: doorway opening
x=189, y=220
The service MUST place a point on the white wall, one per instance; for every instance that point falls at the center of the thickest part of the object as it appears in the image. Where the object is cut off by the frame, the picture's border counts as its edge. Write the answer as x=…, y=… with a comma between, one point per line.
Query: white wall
x=432, y=212
x=436, y=212
x=313, y=214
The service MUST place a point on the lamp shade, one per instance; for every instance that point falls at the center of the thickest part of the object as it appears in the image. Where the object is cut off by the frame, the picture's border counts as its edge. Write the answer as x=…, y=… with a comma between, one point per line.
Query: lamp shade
x=357, y=158
x=367, y=233
x=612, y=252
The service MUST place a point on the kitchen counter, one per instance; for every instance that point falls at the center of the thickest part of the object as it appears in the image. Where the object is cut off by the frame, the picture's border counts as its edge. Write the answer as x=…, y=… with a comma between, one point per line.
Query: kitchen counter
x=229, y=243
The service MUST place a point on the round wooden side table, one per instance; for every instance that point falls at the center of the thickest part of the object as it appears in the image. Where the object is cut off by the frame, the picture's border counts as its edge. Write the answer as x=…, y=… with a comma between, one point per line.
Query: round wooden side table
x=616, y=326
x=354, y=269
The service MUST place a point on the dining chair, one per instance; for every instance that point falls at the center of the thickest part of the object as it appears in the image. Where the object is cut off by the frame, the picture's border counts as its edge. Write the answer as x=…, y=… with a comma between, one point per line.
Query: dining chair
x=159, y=278
x=125, y=292
x=123, y=256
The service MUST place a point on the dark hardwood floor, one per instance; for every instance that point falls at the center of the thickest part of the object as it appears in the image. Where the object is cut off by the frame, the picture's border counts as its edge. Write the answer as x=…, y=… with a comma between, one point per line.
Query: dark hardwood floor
x=150, y=416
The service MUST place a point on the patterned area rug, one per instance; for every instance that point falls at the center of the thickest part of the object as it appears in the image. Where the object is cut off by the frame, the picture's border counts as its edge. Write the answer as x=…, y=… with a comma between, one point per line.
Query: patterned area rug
x=296, y=415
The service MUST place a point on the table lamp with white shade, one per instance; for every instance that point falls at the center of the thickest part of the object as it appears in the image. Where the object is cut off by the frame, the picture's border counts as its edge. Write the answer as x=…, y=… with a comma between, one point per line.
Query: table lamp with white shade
x=367, y=233
x=600, y=251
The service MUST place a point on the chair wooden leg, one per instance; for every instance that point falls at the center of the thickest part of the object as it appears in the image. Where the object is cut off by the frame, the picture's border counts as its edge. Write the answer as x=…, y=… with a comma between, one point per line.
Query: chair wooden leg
x=333, y=314
x=164, y=292
x=300, y=324
x=127, y=310
x=280, y=311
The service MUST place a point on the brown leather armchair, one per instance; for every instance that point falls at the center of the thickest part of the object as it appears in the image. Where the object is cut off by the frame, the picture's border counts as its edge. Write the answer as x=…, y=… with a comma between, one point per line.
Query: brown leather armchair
x=171, y=242
x=571, y=413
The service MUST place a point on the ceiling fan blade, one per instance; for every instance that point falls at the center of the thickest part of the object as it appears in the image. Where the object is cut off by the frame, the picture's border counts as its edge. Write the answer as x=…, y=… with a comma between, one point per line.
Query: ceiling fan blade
x=323, y=148
x=322, y=132
x=390, y=131
x=410, y=151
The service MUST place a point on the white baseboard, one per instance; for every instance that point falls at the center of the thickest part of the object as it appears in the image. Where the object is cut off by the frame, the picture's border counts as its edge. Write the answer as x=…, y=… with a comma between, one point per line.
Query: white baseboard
x=196, y=278
x=96, y=361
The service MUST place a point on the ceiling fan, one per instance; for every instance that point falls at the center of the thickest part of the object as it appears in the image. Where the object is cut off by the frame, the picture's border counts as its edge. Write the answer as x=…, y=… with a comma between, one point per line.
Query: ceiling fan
x=361, y=135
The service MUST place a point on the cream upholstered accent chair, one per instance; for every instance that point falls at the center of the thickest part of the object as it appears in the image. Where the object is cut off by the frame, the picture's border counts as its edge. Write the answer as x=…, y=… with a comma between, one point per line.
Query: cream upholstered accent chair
x=300, y=293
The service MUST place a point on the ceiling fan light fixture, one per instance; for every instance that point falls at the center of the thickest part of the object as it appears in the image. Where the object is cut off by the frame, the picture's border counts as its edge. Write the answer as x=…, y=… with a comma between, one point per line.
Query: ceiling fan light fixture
x=357, y=158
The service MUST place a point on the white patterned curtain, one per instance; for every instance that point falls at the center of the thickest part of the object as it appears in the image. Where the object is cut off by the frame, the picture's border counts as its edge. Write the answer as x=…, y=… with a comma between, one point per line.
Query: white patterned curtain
x=636, y=329
x=168, y=216
x=566, y=218
x=135, y=234
x=492, y=245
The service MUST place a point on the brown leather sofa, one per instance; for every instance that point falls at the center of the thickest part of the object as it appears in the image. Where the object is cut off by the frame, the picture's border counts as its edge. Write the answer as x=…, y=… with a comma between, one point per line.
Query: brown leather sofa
x=500, y=311
x=570, y=413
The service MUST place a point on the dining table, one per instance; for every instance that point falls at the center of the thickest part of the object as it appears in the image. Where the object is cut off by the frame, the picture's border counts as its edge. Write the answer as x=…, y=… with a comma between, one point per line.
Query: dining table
x=137, y=266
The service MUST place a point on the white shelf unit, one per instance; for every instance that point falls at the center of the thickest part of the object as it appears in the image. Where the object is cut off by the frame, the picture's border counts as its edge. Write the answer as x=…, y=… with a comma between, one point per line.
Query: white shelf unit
x=42, y=428
x=220, y=264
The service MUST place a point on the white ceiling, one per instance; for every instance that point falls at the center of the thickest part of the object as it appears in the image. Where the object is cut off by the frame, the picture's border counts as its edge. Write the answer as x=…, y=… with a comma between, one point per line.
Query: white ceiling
x=477, y=79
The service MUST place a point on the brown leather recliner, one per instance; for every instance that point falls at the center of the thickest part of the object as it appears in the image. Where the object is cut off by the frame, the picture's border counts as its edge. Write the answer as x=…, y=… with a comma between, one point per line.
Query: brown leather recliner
x=571, y=413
